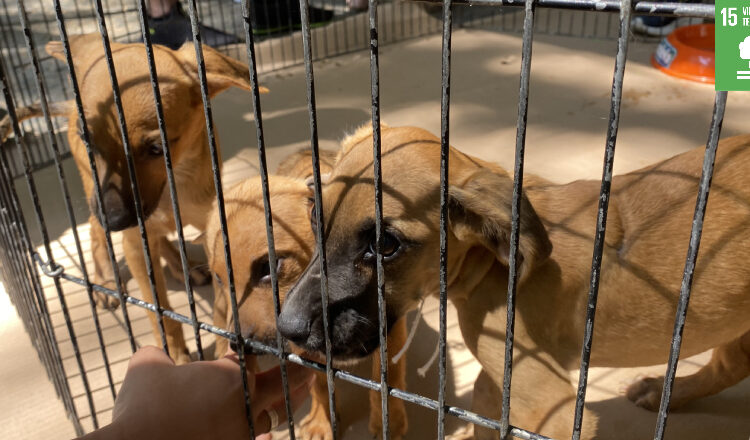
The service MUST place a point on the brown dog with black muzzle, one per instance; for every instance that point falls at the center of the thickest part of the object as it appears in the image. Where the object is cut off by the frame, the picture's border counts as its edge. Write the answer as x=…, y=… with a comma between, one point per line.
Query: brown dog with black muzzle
x=188, y=144
x=648, y=228
x=294, y=243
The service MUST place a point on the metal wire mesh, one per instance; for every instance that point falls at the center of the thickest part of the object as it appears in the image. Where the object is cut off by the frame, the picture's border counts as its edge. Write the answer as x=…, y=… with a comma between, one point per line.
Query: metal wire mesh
x=278, y=38
x=22, y=260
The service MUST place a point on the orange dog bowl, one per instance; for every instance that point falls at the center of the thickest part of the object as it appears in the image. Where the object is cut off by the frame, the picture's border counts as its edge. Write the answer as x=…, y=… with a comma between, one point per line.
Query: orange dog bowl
x=688, y=53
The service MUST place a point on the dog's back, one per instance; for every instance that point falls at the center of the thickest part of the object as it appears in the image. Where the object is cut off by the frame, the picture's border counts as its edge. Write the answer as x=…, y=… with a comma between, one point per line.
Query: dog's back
x=298, y=165
x=648, y=228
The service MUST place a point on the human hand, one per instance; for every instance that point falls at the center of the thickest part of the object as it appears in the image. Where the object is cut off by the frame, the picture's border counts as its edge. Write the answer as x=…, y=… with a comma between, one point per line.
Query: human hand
x=159, y=400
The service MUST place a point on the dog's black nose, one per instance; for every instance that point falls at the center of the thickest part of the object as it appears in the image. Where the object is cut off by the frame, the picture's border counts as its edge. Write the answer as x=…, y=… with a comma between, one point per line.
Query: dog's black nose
x=119, y=215
x=120, y=219
x=294, y=327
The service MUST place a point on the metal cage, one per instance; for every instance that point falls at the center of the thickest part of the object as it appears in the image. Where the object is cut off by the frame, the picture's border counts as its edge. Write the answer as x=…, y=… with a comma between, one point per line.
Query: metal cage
x=24, y=268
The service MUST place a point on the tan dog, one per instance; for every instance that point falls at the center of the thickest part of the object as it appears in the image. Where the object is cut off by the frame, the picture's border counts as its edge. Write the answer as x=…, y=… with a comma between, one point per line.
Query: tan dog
x=186, y=131
x=649, y=225
x=294, y=242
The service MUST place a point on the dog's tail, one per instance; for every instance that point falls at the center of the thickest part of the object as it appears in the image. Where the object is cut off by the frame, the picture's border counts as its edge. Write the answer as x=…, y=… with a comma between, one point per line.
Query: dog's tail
x=32, y=111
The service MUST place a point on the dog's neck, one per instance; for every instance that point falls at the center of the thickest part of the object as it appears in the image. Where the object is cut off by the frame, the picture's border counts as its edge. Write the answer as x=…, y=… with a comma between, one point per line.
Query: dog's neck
x=468, y=271
x=195, y=168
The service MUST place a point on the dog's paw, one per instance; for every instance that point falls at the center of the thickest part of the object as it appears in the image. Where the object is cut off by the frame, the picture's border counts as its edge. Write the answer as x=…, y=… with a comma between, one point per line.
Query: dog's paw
x=105, y=301
x=646, y=392
x=398, y=424
x=315, y=427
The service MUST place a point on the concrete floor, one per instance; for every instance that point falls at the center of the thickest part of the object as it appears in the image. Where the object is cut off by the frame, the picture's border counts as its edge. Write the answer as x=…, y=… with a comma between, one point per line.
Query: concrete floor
x=569, y=106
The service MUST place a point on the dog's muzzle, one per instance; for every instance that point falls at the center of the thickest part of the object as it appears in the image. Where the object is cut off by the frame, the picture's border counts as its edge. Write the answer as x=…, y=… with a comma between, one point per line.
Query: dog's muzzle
x=251, y=345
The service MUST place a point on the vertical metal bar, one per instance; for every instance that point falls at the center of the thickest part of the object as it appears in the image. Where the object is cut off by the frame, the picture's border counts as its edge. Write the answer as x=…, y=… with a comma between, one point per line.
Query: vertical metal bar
x=601, y=221
x=323, y=32
x=32, y=317
x=23, y=86
x=392, y=20
x=222, y=19
x=335, y=29
x=267, y=17
x=292, y=40
x=272, y=260
x=124, y=18
x=279, y=40
x=378, y=182
x=692, y=255
x=235, y=31
x=310, y=77
x=548, y=14
x=79, y=16
x=401, y=14
x=523, y=102
x=45, y=237
x=610, y=19
x=64, y=188
x=20, y=263
x=134, y=187
x=48, y=30
x=86, y=139
x=24, y=250
x=583, y=25
x=362, y=34
x=216, y=168
x=15, y=226
x=12, y=274
x=422, y=16
x=170, y=174
x=444, y=162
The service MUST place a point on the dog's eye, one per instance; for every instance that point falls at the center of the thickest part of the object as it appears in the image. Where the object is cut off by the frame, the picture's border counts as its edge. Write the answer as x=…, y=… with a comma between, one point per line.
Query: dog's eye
x=391, y=245
x=155, y=150
x=217, y=279
x=264, y=270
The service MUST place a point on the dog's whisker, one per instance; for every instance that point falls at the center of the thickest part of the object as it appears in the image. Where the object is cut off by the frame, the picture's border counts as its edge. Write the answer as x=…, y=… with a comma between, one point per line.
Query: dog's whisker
x=412, y=332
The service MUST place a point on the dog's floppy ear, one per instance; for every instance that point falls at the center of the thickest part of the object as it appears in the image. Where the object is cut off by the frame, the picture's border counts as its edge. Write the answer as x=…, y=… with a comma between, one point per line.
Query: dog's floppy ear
x=222, y=72
x=310, y=181
x=479, y=211
x=82, y=44
x=86, y=50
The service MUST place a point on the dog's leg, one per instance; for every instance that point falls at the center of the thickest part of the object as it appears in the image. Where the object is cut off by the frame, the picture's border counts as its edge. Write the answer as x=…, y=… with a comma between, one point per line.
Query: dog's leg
x=729, y=364
x=220, y=320
x=397, y=420
x=317, y=424
x=199, y=275
x=103, y=274
x=131, y=243
x=486, y=401
x=542, y=398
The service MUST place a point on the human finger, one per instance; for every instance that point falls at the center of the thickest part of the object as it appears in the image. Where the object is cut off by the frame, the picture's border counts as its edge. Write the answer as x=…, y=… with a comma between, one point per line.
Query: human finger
x=277, y=410
x=268, y=383
x=149, y=355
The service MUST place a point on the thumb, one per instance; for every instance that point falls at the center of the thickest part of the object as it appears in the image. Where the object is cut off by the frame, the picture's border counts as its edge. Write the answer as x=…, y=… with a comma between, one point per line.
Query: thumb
x=149, y=355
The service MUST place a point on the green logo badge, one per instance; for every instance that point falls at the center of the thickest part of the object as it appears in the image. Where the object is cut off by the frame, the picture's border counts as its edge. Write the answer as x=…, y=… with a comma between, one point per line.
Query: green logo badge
x=732, y=45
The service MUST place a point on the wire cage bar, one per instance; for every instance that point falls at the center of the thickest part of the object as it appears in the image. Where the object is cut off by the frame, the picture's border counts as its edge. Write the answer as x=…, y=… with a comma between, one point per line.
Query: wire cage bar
x=281, y=46
x=21, y=260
